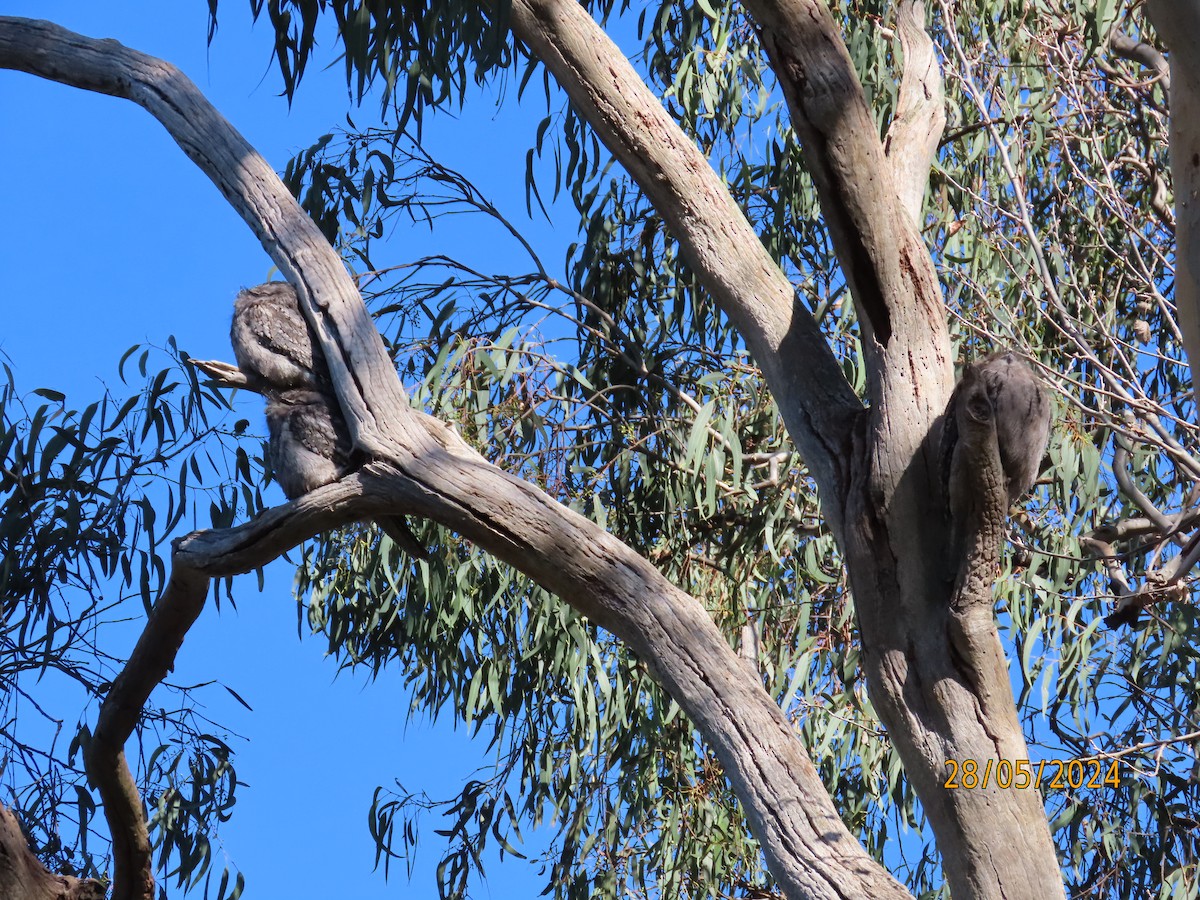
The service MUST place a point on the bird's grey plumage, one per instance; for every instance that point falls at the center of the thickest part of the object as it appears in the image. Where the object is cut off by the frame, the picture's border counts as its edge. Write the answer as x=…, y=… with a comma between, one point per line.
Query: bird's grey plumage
x=1022, y=419
x=1021, y=412
x=310, y=443
x=272, y=341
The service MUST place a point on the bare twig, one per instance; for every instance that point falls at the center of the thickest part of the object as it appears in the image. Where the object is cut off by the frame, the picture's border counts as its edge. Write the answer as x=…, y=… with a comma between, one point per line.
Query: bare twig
x=1125, y=480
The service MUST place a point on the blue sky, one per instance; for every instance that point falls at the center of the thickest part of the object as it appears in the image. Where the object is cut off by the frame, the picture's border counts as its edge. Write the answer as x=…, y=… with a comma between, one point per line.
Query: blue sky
x=112, y=237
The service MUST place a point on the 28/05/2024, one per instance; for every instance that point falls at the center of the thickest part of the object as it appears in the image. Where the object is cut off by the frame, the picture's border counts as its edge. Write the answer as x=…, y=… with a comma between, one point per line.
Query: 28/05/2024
x=1023, y=774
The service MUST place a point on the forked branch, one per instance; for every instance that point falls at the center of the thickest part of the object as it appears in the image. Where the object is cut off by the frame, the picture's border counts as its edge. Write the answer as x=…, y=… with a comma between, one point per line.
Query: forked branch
x=421, y=467
x=817, y=403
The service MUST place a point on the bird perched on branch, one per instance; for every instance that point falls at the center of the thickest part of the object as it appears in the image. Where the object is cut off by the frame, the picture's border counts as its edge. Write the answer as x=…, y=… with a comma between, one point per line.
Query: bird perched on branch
x=280, y=358
x=309, y=446
x=1021, y=413
x=273, y=342
x=1002, y=389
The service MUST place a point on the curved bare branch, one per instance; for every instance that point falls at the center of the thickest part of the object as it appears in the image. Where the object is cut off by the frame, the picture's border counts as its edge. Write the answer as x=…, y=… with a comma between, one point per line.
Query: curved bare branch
x=108, y=770
x=422, y=467
x=817, y=403
x=1144, y=54
x=1120, y=466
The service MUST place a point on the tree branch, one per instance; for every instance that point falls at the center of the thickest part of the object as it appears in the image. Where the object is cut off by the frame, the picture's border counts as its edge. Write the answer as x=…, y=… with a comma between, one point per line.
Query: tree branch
x=421, y=466
x=1144, y=54
x=1177, y=23
x=806, y=845
x=912, y=140
x=817, y=403
x=887, y=266
x=196, y=557
x=108, y=770
x=23, y=876
x=1120, y=467
x=223, y=373
x=1126, y=529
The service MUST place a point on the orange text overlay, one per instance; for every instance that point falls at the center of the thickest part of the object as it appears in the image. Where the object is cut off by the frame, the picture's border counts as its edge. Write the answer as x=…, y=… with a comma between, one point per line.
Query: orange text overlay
x=1022, y=774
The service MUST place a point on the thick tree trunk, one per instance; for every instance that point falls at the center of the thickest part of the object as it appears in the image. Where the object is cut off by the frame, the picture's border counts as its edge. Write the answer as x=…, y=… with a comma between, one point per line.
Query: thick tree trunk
x=23, y=877
x=937, y=675
x=1178, y=24
x=936, y=672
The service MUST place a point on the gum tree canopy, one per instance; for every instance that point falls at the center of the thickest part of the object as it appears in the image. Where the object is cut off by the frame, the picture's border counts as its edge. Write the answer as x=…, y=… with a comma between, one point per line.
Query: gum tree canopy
x=689, y=555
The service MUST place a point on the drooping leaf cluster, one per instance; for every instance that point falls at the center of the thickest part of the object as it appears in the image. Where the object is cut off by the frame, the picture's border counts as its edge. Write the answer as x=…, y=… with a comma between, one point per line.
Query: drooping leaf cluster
x=611, y=381
x=89, y=500
x=1049, y=216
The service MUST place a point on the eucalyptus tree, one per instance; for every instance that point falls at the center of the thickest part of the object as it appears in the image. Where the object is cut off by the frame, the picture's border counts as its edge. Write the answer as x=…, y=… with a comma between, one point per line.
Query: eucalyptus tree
x=689, y=565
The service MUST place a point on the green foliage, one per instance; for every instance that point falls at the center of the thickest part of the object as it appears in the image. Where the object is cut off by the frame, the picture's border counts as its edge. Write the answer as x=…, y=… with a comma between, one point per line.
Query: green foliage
x=629, y=401
x=413, y=55
x=616, y=386
x=89, y=500
x=640, y=409
x=1050, y=205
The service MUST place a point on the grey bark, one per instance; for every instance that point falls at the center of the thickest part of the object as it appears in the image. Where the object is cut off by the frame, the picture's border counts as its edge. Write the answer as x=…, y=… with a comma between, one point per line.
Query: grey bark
x=942, y=696
x=1178, y=24
x=912, y=139
x=420, y=466
x=23, y=877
